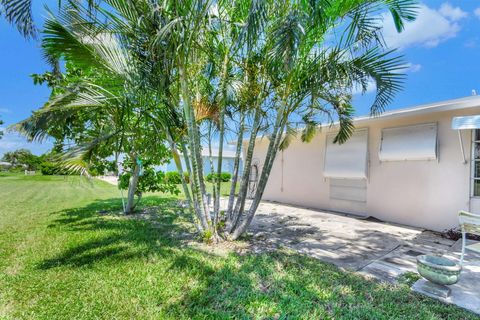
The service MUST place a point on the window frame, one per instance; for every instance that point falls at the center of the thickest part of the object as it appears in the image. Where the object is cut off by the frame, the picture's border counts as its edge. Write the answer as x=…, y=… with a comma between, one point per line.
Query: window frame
x=473, y=161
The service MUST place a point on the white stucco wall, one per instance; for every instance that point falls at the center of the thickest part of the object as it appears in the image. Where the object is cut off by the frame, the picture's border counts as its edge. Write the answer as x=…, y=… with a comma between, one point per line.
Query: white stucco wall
x=424, y=194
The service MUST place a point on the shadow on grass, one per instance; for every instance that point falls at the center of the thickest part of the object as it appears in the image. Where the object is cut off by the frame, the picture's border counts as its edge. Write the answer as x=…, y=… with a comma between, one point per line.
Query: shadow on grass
x=268, y=286
x=283, y=285
x=101, y=232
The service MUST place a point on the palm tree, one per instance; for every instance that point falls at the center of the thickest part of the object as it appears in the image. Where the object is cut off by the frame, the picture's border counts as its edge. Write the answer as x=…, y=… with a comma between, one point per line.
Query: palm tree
x=199, y=70
x=310, y=57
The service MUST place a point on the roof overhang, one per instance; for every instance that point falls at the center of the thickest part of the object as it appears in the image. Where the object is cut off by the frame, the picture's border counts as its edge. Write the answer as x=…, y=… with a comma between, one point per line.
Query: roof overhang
x=441, y=106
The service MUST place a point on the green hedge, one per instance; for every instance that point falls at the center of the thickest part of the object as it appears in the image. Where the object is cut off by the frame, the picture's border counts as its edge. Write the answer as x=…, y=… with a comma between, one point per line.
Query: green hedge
x=51, y=168
x=174, y=177
x=224, y=177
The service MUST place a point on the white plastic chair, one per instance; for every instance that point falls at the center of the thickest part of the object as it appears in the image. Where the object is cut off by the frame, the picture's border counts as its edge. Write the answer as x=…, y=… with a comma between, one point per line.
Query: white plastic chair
x=469, y=223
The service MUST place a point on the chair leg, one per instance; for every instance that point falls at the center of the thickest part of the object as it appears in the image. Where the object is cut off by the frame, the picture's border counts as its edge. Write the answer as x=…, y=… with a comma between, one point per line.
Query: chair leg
x=464, y=239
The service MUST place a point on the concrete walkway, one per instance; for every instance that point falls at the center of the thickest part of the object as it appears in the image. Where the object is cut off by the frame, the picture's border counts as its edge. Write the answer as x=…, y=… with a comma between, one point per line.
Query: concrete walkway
x=109, y=179
x=374, y=249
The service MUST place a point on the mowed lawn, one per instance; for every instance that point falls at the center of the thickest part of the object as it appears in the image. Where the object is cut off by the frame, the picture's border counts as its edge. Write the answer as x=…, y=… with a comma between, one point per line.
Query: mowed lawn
x=62, y=257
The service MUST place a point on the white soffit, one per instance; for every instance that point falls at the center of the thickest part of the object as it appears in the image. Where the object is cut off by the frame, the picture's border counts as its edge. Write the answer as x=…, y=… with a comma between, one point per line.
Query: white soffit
x=418, y=142
x=466, y=122
x=347, y=160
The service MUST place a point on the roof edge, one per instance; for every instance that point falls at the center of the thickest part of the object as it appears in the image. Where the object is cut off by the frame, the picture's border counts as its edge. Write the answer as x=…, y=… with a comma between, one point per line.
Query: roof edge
x=439, y=106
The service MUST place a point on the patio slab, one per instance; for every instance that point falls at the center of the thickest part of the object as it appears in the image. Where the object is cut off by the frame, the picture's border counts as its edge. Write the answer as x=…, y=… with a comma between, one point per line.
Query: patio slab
x=374, y=249
x=344, y=240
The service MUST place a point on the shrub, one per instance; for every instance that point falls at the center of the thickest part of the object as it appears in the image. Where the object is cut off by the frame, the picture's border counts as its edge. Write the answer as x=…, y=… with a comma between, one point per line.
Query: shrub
x=174, y=177
x=50, y=169
x=150, y=181
x=224, y=177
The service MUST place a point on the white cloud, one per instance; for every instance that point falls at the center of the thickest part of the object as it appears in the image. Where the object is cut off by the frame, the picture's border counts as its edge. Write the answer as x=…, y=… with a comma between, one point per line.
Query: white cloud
x=476, y=12
x=12, y=141
x=429, y=29
x=412, y=67
x=371, y=87
x=5, y=110
x=454, y=14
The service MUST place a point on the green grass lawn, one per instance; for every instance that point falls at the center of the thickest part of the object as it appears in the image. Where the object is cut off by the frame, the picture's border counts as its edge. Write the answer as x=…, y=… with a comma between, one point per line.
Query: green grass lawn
x=62, y=259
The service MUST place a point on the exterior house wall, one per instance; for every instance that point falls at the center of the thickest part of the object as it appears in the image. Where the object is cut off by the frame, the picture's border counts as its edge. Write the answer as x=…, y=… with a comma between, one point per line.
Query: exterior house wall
x=425, y=194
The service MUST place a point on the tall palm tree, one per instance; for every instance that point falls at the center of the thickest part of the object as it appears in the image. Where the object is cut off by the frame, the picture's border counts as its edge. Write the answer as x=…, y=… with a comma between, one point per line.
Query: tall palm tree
x=312, y=54
x=212, y=68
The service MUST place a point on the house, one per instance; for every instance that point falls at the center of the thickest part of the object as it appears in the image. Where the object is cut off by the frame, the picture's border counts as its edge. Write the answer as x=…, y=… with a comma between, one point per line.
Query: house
x=5, y=165
x=417, y=166
x=228, y=162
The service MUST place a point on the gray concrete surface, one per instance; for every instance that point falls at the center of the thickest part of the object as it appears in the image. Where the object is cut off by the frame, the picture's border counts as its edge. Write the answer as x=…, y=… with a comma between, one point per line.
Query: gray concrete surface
x=374, y=249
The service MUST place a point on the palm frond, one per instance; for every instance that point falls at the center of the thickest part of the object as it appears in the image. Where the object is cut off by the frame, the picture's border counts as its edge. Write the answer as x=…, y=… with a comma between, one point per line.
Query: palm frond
x=310, y=129
x=289, y=134
x=19, y=13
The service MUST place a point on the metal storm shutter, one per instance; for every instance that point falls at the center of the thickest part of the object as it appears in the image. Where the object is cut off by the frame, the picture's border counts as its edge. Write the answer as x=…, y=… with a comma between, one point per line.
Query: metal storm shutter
x=418, y=142
x=347, y=160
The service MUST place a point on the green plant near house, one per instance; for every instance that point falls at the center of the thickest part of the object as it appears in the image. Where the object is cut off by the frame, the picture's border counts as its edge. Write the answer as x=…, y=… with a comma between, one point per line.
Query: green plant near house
x=149, y=180
x=224, y=177
x=175, y=177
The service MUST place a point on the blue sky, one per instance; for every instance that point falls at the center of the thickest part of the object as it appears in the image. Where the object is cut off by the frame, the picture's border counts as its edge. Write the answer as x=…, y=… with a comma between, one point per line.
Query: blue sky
x=441, y=49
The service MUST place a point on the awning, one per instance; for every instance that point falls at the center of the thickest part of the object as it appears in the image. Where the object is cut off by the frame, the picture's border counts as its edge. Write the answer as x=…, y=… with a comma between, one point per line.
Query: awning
x=466, y=122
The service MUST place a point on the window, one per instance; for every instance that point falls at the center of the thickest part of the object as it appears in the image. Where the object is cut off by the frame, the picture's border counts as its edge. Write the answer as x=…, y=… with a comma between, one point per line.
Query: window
x=418, y=142
x=476, y=163
x=347, y=160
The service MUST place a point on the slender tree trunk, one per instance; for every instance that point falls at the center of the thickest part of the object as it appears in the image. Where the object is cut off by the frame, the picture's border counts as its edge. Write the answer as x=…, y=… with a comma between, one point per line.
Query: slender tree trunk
x=186, y=191
x=210, y=157
x=267, y=168
x=132, y=188
x=218, y=180
x=242, y=193
x=223, y=106
x=236, y=166
x=273, y=146
x=198, y=186
x=191, y=181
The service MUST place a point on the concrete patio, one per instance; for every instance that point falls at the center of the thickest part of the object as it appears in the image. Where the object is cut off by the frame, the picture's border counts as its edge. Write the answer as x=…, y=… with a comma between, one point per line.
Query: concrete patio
x=372, y=248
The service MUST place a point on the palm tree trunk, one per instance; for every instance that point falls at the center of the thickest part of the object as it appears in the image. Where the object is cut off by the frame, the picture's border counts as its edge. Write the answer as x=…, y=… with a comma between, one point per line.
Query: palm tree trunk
x=223, y=106
x=272, y=150
x=210, y=157
x=198, y=186
x=186, y=191
x=242, y=193
x=236, y=166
